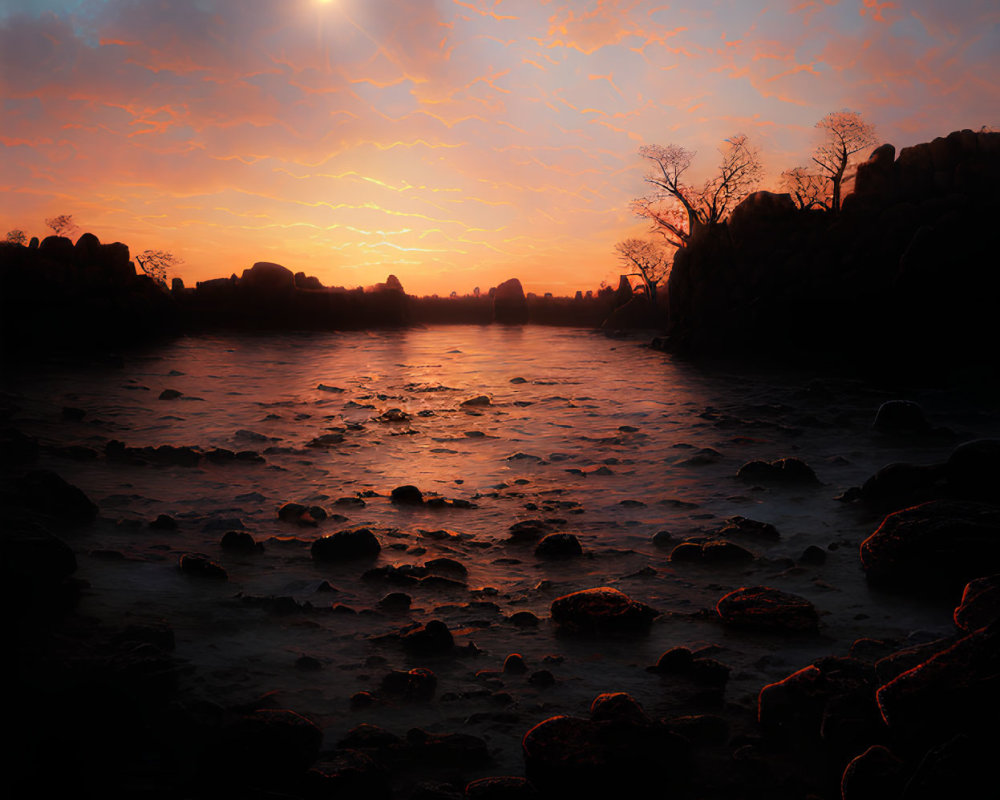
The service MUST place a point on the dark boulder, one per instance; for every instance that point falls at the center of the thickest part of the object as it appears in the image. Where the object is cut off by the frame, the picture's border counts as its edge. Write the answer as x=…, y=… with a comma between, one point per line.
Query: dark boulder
x=783, y=472
x=876, y=774
x=571, y=757
x=240, y=541
x=347, y=774
x=899, y=485
x=751, y=528
x=434, y=638
x=980, y=604
x=201, y=566
x=762, y=608
x=509, y=303
x=956, y=690
x=46, y=492
x=618, y=707
x=900, y=416
x=934, y=547
x=267, y=277
x=407, y=495
x=415, y=684
x=350, y=543
x=974, y=469
x=269, y=746
x=559, y=545
x=601, y=610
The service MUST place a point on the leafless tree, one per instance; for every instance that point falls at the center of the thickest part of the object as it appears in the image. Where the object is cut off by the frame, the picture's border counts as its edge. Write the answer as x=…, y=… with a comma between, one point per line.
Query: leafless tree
x=808, y=189
x=649, y=259
x=155, y=263
x=63, y=225
x=16, y=236
x=677, y=209
x=845, y=133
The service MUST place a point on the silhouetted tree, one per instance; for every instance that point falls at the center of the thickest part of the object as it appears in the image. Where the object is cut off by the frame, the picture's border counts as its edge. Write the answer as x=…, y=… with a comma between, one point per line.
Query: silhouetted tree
x=63, y=225
x=845, y=134
x=677, y=209
x=155, y=262
x=807, y=189
x=650, y=259
x=16, y=236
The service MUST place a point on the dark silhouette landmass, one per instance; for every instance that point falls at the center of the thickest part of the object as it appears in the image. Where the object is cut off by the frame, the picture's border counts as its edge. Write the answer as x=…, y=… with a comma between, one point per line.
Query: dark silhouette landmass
x=905, y=268
x=909, y=265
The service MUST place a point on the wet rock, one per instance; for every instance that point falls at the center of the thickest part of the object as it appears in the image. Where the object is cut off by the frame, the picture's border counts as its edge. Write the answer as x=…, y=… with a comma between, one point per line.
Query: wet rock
x=73, y=414
x=301, y=514
x=618, y=707
x=477, y=402
x=783, y=472
x=361, y=700
x=528, y=530
x=407, y=495
x=240, y=541
x=46, y=492
x=813, y=556
x=350, y=543
x=751, y=528
x=701, y=669
x=762, y=608
x=395, y=602
x=369, y=737
x=955, y=690
x=559, y=545
x=973, y=469
x=900, y=416
x=571, y=757
x=393, y=415
x=505, y=787
x=514, y=664
x=663, y=539
x=326, y=440
x=876, y=774
x=447, y=566
x=601, y=610
x=163, y=522
x=980, y=604
x=399, y=574
x=711, y=552
x=433, y=638
x=707, y=730
x=686, y=552
x=201, y=566
x=898, y=485
x=416, y=684
x=524, y=619
x=347, y=774
x=170, y=394
x=831, y=699
x=269, y=746
x=542, y=678
x=934, y=547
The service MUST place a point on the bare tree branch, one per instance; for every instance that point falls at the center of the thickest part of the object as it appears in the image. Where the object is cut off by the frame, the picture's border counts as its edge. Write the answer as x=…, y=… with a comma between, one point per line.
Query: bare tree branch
x=677, y=209
x=845, y=133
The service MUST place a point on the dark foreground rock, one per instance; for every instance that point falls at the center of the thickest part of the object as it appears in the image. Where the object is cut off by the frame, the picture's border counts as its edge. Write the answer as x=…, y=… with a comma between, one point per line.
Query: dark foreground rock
x=934, y=547
x=618, y=747
x=762, y=608
x=601, y=610
x=346, y=544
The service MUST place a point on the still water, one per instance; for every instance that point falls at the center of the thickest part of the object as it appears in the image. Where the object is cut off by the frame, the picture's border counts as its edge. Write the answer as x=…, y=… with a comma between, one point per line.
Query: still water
x=600, y=437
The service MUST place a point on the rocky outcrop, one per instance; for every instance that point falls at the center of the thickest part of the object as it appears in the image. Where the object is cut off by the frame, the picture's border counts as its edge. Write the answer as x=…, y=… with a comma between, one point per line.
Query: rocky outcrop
x=509, y=303
x=907, y=247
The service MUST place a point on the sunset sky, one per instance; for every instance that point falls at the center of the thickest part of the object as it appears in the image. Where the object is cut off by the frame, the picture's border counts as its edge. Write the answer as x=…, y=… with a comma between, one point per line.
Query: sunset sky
x=453, y=143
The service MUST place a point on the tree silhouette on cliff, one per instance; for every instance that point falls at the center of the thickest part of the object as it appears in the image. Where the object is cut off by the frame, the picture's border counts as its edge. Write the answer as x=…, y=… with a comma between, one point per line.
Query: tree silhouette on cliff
x=845, y=133
x=679, y=210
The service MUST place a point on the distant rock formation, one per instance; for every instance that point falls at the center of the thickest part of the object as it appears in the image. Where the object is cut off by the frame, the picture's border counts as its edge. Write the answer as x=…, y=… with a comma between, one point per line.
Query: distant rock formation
x=59, y=294
x=510, y=306
x=905, y=270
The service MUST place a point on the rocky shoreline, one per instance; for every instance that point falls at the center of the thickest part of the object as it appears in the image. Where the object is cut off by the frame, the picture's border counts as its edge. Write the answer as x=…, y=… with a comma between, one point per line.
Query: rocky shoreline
x=106, y=707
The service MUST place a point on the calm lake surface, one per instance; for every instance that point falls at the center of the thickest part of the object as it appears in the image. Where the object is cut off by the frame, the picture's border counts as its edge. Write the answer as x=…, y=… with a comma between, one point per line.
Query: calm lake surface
x=600, y=437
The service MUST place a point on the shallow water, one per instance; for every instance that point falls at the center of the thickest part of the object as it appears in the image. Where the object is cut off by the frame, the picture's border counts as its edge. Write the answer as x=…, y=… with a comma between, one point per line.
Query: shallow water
x=610, y=438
